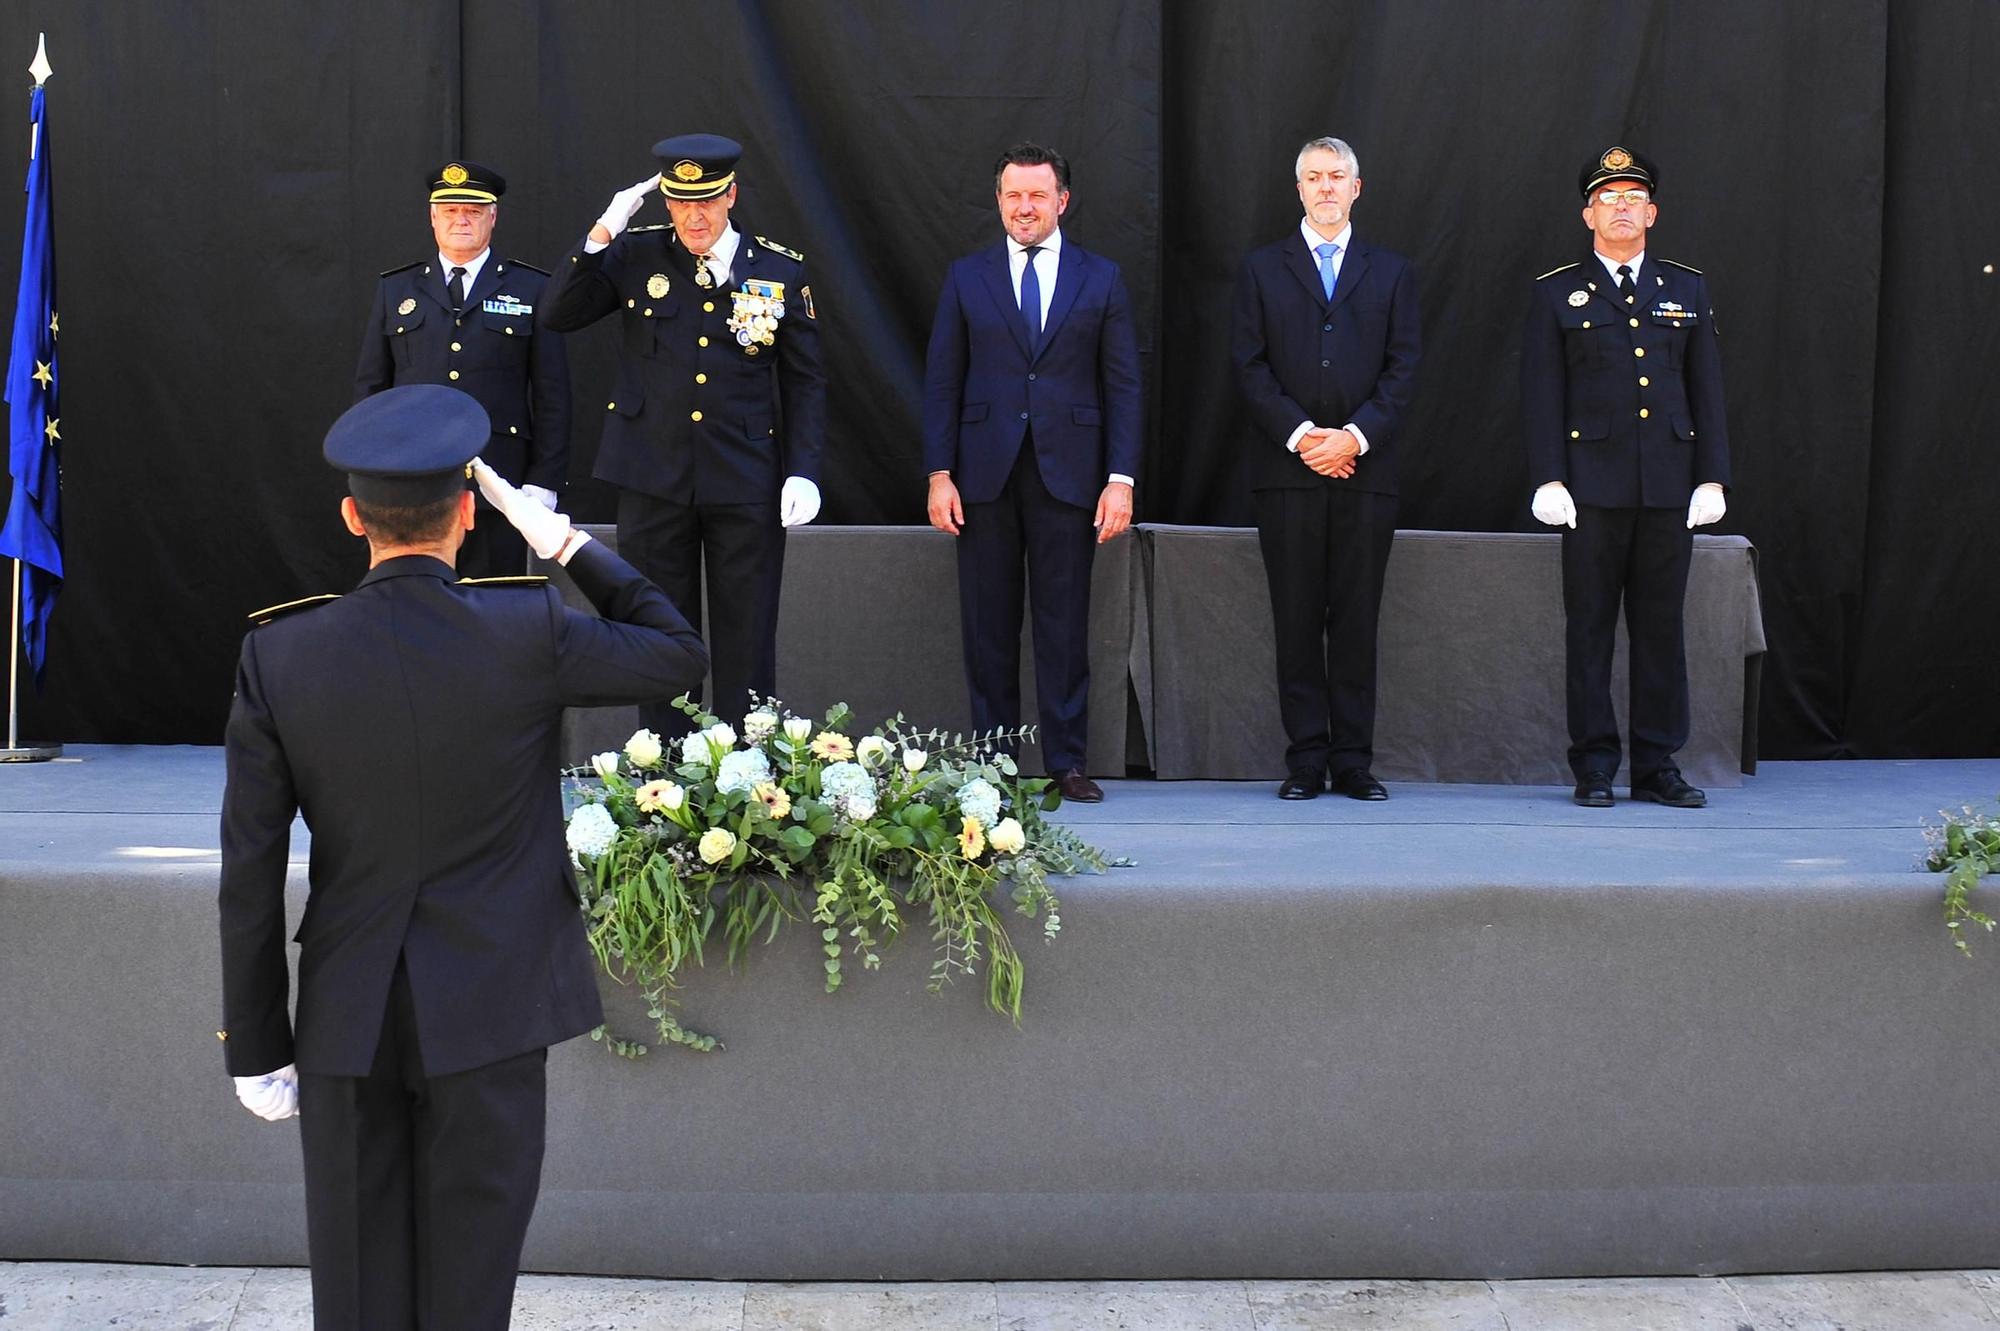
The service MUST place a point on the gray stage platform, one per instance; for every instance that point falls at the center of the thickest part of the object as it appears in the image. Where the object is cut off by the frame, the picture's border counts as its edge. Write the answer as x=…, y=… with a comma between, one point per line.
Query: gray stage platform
x=1472, y=1032
x=1182, y=675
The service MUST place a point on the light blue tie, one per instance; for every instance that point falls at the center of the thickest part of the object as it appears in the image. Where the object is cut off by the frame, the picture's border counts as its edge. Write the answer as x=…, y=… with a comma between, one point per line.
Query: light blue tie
x=1326, y=253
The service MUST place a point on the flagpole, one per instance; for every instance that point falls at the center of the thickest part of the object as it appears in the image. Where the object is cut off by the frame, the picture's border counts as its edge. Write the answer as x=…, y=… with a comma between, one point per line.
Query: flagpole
x=16, y=752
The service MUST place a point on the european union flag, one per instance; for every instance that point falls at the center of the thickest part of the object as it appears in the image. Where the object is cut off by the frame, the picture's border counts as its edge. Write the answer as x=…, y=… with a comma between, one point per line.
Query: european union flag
x=33, y=532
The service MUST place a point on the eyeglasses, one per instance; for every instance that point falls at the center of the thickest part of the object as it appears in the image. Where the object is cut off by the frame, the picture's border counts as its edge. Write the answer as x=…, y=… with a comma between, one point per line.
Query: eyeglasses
x=1611, y=198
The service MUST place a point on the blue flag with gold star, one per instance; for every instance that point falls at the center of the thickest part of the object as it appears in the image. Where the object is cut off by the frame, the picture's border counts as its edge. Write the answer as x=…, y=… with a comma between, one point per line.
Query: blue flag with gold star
x=33, y=531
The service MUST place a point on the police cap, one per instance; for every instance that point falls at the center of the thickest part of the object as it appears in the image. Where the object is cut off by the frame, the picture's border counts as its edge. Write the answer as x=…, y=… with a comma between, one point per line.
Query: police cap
x=697, y=166
x=409, y=445
x=1617, y=163
x=467, y=182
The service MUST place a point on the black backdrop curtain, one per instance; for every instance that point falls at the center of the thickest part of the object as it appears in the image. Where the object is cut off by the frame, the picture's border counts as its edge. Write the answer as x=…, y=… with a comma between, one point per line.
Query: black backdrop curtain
x=232, y=176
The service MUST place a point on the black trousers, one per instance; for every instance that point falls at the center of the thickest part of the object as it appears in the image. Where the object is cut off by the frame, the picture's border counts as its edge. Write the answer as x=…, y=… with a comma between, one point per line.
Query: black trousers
x=1639, y=555
x=1058, y=544
x=419, y=1189
x=744, y=548
x=1326, y=552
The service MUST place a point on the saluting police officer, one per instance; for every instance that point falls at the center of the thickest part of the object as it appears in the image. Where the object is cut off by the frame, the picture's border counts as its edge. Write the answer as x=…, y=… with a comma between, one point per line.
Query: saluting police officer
x=1621, y=387
x=713, y=429
x=467, y=320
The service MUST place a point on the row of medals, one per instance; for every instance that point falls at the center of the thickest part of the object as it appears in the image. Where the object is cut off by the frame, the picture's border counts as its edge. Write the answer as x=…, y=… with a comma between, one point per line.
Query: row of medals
x=755, y=310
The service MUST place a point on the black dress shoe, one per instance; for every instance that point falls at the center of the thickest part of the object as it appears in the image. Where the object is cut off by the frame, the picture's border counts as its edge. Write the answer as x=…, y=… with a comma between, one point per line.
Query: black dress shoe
x=1076, y=787
x=1593, y=790
x=1666, y=787
x=1357, y=783
x=1300, y=786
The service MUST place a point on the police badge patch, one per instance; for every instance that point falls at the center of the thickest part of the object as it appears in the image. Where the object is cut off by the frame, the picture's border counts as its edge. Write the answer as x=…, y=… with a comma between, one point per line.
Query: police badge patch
x=408, y=306
x=1579, y=298
x=657, y=285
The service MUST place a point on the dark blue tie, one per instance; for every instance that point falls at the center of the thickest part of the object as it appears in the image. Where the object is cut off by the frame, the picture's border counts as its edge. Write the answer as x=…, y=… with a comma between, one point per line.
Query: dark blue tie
x=1031, y=300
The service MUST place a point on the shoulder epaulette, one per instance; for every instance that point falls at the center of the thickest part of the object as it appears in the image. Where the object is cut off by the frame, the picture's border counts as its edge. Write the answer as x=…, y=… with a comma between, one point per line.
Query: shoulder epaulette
x=514, y=580
x=1686, y=268
x=391, y=272
x=1565, y=268
x=656, y=226
x=775, y=247
x=271, y=612
x=523, y=263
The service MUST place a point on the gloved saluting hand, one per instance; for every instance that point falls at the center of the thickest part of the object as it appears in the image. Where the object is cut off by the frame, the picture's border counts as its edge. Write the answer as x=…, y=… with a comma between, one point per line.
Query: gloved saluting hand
x=1554, y=506
x=273, y=1096
x=547, y=533
x=626, y=202
x=1706, y=505
x=798, y=502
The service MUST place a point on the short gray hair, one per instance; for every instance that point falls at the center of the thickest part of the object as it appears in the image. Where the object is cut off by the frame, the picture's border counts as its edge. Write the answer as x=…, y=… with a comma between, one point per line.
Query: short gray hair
x=1338, y=147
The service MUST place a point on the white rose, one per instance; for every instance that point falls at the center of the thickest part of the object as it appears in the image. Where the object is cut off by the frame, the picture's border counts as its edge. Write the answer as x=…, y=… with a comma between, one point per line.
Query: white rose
x=673, y=796
x=716, y=844
x=760, y=725
x=1007, y=837
x=871, y=751
x=858, y=807
x=643, y=748
x=694, y=749
x=913, y=760
x=798, y=730
x=605, y=764
x=721, y=735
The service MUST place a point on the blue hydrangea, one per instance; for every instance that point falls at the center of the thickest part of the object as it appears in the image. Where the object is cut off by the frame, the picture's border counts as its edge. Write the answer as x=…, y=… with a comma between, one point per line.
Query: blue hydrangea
x=978, y=799
x=742, y=769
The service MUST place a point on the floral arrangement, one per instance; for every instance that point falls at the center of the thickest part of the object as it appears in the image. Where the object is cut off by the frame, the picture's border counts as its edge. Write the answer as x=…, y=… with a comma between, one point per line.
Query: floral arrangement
x=1965, y=847
x=792, y=819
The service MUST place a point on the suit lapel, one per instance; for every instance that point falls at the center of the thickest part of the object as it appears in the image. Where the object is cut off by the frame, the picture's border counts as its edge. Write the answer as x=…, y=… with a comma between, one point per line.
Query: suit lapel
x=1000, y=286
x=486, y=283
x=1352, y=268
x=1306, y=268
x=1069, y=280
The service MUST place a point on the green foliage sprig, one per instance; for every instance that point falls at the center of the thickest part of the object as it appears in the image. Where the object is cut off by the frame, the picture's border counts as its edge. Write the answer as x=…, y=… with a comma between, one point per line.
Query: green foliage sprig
x=1965, y=847
x=794, y=820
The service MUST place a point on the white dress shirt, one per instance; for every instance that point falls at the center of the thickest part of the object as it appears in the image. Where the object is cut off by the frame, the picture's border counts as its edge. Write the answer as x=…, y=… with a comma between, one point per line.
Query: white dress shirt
x=1314, y=240
x=1611, y=266
x=471, y=267
x=1048, y=261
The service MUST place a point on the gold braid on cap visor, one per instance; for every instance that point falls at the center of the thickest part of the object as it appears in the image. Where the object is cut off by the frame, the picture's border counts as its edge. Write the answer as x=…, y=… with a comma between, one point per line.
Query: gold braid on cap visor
x=708, y=189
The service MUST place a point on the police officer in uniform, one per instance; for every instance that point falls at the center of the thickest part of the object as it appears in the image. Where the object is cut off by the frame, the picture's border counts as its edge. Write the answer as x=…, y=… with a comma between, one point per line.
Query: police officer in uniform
x=1621, y=389
x=414, y=723
x=713, y=429
x=467, y=319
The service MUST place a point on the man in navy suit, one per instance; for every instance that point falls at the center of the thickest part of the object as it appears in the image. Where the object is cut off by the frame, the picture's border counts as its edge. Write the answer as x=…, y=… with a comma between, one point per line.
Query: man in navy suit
x=1031, y=438
x=1325, y=343
x=1621, y=390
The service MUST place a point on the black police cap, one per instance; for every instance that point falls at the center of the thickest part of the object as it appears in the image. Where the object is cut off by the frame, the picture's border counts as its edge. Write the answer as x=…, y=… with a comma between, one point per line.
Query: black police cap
x=1617, y=163
x=467, y=182
x=697, y=166
x=409, y=445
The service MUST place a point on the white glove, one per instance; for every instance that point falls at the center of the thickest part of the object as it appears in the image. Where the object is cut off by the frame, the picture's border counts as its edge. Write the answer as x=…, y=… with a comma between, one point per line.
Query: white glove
x=1706, y=505
x=546, y=498
x=1554, y=506
x=273, y=1096
x=625, y=203
x=545, y=532
x=798, y=502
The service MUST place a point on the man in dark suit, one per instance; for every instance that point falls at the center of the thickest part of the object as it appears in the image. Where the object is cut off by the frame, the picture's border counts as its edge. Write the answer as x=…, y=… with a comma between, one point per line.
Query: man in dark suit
x=713, y=430
x=414, y=724
x=1621, y=393
x=467, y=320
x=1325, y=343
x=1031, y=437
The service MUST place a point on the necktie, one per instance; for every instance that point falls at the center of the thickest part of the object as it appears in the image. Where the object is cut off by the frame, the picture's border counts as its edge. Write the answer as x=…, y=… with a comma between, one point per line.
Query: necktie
x=1326, y=272
x=458, y=290
x=1625, y=282
x=1031, y=299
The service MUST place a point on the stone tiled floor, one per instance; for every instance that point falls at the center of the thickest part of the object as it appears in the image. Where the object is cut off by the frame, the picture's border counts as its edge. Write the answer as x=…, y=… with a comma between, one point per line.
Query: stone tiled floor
x=65, y=1296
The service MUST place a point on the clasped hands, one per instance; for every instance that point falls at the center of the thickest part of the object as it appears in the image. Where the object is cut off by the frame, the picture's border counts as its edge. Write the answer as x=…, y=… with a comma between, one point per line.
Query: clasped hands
x=1330, y=452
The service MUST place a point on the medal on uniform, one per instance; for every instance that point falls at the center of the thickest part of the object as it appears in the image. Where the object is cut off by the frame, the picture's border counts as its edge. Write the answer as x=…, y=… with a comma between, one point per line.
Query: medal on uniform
x=657, y=285
x=755, y=312
x=702, y=278
x=1579, y=298
x=408, y=306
